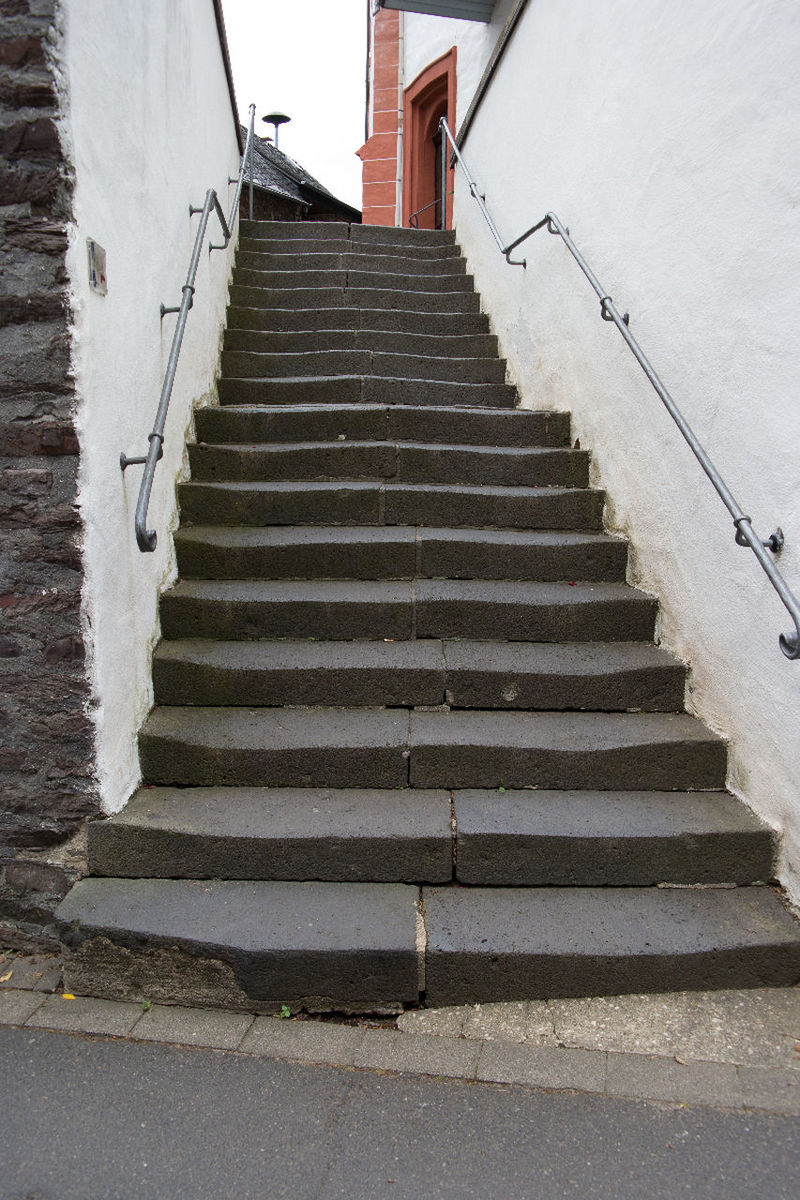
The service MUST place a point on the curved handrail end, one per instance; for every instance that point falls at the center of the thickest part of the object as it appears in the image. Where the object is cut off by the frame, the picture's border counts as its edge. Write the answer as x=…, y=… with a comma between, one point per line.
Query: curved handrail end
x=790, y=643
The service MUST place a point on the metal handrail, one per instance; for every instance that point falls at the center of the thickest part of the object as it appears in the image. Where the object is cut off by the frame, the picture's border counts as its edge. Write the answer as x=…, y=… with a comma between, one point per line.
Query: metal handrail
x=745, y=534
x=147, y=538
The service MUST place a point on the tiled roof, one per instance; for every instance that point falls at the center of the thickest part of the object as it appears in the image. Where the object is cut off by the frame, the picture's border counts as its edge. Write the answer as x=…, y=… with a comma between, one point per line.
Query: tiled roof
x=276, y=172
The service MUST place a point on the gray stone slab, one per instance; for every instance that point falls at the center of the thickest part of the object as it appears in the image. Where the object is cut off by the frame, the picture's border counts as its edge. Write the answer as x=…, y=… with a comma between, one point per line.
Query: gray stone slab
x=83, y=1014
x=38, y=972
x=16, y=1006
x=192, y=1026
x=532, y=943
x=533, y=611
x=301, y=460
x=590, y=676
x=772, y=1088
x=392, y=1050
x=436, y=1022
x=254, y=608
x=543, y=1066
x=324, y=747
x=246, y=424
x=495, y=427
x=540, y=467
x=308, y=502
x=587, y=839
x=503, y=507
x=521, y=554
x=686, y=1082
x=337, y=944
x=304, y=1041
x=302, y=552
x=393, y=390
x=244, y=316
x=759, y=1026
x=292, y=833
x=564, y=750
x=524, y=1021
x=437, y=365
x=199, y=671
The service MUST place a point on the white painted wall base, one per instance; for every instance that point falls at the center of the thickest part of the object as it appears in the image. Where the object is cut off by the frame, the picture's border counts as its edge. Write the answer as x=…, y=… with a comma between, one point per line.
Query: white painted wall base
x=149, y=126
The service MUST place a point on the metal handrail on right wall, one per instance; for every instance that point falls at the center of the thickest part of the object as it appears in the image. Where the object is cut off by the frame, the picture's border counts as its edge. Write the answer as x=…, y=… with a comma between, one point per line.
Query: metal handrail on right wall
x=745, y=534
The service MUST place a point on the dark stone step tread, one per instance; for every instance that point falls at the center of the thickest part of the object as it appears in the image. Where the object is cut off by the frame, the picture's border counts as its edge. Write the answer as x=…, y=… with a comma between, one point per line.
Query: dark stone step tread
x=395, y=552
x=321, y=363
x=372, y=389
x=434, y=424
x=391, y=320
x=304, y=298
x=299, y=247
x=465, y=674
x=340, y=258
x=354, y=503
x=347, y=943
x=409, y=462
x=343, y=609
x=487, y=944
x=356, y=234
x=608, y=839
x=466, y=345
x=338, y=747
x=359, y=835
x=236, y=747
x=351, y=279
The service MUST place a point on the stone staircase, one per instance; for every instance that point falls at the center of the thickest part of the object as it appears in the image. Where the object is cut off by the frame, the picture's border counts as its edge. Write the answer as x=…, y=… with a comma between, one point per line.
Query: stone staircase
x=412, y=739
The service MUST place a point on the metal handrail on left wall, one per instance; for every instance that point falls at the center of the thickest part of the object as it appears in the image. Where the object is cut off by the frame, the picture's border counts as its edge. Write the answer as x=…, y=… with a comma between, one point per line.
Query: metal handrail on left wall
x=745, y=534
x=147, y=539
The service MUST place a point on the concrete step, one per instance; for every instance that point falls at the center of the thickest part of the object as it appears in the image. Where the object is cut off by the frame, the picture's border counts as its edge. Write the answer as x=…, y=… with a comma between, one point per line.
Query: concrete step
x=288, y=320
x=239, y=364
x=608, y=839
x=409, y=462
x=390, y=504
x=614, y=677
x=364, y=297
x=336, y=256
x=374, y=422
x=488, y=944
x=238, y=944
x=254, y=341
x=370, y=389
x=372, y=235
x=296, y=247
x=352, y=280
x=248, y=609
x=390, y=748
x=363, y=835
x=396, y=552
x=521, y=839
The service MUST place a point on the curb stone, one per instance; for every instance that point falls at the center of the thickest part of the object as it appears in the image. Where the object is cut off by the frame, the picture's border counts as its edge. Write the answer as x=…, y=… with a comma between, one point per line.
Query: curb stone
x=600, y=1072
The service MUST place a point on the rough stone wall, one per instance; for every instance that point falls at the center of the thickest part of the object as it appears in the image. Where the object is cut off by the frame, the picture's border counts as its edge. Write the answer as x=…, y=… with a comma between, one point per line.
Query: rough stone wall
x=46, y=740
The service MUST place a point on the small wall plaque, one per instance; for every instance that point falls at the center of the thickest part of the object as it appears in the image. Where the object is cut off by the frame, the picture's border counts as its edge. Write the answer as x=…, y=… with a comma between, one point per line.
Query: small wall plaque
x=97, y=267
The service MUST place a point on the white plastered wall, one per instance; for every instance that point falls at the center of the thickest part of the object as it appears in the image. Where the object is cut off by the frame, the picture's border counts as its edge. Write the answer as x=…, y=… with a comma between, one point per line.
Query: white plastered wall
x=668, y=138
x=148, y=126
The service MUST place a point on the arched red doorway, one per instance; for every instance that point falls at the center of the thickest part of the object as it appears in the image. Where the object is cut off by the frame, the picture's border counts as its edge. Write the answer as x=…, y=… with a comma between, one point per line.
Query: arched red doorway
x=431, y=96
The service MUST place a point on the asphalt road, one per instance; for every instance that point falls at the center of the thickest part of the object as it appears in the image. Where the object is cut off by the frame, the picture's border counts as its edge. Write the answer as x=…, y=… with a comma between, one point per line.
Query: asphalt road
x=88, y=1119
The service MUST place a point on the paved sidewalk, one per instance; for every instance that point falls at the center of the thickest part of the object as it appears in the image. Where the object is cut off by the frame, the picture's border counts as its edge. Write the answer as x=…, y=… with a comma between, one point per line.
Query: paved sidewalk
x=733, y=1050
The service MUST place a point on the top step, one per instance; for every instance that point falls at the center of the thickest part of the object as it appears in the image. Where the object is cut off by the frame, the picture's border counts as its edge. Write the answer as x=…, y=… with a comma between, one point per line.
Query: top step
x=358, y=235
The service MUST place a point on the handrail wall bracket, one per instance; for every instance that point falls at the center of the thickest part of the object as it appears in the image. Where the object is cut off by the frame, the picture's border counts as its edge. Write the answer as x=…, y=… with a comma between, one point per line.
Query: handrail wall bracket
x=745, y=534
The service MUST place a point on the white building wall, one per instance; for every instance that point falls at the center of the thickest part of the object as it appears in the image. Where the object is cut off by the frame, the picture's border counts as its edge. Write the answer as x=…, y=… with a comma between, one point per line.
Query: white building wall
x=667, y=137
x=149, y=122
x=428, y=38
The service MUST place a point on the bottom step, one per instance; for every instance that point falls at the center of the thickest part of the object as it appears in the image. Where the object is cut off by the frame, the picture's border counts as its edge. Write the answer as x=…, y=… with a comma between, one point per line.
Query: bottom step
x=357, y=946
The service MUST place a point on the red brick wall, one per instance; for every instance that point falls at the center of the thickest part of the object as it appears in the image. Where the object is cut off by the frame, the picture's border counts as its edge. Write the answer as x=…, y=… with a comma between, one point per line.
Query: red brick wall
x=379, y=153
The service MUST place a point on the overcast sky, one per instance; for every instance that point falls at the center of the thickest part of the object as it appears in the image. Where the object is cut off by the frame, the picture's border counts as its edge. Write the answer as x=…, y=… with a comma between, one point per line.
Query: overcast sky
x=306, y=60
